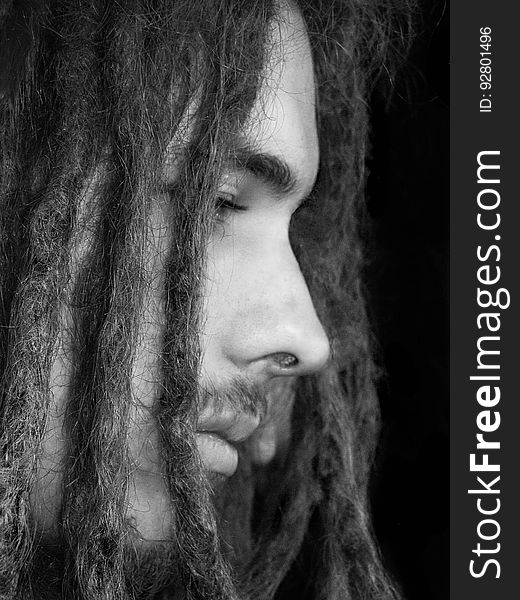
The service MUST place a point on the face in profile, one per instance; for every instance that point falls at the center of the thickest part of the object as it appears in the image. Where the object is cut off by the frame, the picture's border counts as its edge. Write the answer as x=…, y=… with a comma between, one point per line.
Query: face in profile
x=259, y=328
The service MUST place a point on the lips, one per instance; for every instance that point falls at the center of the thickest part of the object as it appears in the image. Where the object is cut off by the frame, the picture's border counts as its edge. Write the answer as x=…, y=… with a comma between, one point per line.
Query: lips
x=218, y=433
x=217, y=454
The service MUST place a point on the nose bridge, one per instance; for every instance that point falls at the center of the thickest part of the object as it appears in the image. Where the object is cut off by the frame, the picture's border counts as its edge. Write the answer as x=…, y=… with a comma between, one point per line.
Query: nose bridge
x=296, y=328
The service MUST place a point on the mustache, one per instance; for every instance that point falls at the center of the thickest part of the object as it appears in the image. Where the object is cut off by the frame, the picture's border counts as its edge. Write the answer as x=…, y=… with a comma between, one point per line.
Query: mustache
x=239, y=395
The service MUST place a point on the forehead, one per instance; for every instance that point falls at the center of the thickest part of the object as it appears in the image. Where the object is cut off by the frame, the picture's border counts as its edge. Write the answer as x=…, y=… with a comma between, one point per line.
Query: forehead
x=282, y=122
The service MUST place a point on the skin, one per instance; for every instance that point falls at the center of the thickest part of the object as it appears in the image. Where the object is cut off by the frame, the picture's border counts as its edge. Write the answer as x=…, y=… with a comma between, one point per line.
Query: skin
x=257, y=308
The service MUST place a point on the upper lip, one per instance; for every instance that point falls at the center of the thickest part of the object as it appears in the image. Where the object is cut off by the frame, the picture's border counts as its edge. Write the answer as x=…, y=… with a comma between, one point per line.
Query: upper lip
x=228, y=424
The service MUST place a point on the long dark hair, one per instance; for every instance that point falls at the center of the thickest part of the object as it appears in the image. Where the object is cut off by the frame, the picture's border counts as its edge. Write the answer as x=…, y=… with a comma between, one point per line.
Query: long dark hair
x=92, y=97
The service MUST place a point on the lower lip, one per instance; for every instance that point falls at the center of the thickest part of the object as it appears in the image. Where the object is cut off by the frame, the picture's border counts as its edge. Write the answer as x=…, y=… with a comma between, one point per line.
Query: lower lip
x=218, y=456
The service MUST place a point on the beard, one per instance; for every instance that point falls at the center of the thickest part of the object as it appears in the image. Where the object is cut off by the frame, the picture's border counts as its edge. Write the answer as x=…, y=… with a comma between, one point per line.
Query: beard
x=149, y=572
x=153, y=570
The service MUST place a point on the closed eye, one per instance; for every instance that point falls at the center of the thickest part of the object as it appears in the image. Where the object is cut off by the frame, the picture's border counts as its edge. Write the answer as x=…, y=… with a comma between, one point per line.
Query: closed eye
x=224, y=204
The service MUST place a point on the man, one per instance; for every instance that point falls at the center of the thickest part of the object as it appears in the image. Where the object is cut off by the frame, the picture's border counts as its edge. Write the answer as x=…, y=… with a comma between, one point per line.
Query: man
x=187, y=389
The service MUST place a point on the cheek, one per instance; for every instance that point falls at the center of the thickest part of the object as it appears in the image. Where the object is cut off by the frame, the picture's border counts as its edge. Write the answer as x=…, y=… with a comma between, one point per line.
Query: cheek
x=45, y=496
x=238, y=260
x=223, y=268
x=147, y=497
x=148, y=500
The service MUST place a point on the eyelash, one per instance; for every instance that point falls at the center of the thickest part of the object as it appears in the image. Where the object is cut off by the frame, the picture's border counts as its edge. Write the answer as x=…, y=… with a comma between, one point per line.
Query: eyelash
x=225, y=202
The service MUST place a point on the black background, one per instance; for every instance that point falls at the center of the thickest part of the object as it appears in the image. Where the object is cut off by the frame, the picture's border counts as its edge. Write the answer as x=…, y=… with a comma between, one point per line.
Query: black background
x=408, y=281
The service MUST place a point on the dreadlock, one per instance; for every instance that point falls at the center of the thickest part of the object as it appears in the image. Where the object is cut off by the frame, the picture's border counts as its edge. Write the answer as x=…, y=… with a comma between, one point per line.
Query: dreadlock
x=94, y=96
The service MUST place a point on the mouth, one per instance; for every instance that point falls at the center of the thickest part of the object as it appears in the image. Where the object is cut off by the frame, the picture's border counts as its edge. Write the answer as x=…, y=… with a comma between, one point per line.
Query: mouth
x=217, y=435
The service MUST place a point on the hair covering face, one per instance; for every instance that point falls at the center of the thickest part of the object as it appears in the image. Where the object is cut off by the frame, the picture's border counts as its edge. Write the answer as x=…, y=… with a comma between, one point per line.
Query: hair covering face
x=96, y=95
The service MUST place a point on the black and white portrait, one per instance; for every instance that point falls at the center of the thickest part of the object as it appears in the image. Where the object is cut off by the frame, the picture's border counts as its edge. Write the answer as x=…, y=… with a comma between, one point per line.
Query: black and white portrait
x=222, y=320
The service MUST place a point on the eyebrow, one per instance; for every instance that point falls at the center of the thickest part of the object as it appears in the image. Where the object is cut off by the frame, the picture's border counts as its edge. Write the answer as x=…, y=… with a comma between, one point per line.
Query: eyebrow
x=270, y=169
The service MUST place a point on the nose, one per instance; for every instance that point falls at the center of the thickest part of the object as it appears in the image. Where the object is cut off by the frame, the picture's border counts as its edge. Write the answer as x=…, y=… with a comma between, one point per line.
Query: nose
x=275, y=330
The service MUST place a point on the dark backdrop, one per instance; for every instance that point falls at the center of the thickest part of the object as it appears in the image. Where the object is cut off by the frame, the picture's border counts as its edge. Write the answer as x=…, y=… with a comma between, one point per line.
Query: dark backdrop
x=408, y=284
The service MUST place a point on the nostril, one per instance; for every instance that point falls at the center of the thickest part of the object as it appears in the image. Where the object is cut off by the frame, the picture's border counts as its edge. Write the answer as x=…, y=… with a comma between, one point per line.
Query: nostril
x=285, y=360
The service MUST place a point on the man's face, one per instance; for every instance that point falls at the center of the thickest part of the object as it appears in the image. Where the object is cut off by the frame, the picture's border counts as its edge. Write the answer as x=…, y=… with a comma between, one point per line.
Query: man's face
x=259, y=325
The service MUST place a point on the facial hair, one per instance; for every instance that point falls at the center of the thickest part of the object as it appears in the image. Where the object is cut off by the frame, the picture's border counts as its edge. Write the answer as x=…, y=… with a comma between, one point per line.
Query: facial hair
x=150, y=568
